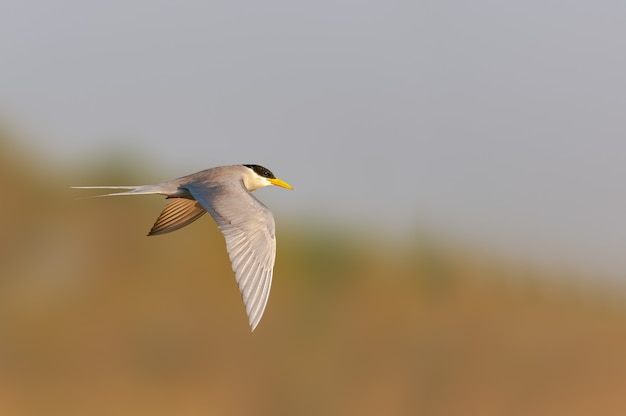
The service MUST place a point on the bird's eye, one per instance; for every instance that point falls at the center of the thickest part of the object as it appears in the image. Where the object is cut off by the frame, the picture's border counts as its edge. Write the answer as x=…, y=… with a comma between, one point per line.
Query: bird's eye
x=266, y=173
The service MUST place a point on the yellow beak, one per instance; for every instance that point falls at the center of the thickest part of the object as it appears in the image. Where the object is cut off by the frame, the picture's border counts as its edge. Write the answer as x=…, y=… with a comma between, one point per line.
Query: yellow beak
x=282, y=184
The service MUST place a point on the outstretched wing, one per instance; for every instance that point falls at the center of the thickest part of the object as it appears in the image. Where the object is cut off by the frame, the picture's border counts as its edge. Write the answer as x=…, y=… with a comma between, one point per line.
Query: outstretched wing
x=248, y=227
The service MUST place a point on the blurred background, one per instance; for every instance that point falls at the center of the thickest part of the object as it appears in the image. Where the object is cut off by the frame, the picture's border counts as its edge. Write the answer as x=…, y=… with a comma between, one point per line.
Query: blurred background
x=454, y=243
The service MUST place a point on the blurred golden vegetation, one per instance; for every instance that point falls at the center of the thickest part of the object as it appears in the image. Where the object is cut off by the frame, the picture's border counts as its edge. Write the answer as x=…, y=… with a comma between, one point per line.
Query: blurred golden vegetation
x=98, y=319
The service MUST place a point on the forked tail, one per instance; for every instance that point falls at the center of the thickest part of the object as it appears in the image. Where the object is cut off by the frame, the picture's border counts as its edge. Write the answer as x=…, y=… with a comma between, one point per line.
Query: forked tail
x=131, y=190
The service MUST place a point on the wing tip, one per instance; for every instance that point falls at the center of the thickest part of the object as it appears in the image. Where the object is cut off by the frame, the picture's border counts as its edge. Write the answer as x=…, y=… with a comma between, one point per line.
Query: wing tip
x=254, y=322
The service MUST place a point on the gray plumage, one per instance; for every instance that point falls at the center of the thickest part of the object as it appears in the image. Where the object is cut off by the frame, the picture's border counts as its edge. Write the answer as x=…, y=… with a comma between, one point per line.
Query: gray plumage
x=247, y=224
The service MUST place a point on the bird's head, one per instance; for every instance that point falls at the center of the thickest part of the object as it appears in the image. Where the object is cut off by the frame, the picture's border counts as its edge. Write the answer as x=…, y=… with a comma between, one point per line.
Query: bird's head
x=259, y=177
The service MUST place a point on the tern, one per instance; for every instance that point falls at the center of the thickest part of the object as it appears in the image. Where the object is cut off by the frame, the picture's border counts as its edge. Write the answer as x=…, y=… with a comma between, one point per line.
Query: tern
x=245, y=222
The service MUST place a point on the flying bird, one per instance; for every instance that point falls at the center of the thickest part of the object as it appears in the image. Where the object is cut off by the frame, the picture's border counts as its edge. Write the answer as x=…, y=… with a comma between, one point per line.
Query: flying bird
x=247, y=224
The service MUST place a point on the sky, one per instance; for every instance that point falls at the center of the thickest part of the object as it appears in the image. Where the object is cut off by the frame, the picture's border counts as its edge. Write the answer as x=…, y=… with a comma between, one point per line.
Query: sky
x=501, y=123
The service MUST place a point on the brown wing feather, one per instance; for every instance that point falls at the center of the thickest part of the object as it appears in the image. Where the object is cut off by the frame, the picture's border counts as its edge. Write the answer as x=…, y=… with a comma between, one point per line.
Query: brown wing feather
x=177, y=213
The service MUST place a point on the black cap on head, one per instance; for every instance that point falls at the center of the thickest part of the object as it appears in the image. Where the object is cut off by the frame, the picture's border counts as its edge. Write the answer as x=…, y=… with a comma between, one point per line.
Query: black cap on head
x=261, y=171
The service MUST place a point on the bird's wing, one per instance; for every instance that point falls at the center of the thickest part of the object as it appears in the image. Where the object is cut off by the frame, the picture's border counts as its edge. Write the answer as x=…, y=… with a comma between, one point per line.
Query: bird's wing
x=248, y=227
x=177, y=213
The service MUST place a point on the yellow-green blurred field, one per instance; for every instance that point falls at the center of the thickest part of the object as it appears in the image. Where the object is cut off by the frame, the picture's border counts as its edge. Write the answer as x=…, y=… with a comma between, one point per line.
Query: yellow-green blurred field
x=98, y=319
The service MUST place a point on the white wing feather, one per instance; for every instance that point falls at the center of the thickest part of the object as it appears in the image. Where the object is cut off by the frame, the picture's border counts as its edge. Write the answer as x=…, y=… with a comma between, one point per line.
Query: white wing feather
x=248, y=228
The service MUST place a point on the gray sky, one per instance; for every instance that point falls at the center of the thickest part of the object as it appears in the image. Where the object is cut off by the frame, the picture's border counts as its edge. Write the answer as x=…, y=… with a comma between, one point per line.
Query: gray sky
x=500, y=122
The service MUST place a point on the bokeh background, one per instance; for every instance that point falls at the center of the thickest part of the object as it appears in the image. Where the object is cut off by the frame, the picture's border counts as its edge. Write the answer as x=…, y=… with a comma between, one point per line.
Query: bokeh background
x=454, y=244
